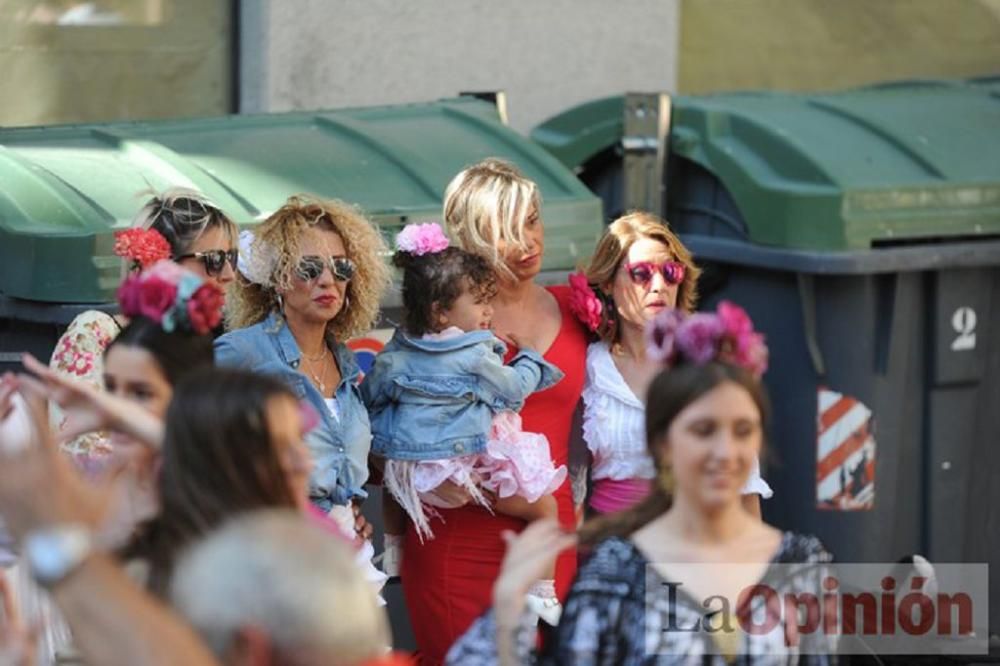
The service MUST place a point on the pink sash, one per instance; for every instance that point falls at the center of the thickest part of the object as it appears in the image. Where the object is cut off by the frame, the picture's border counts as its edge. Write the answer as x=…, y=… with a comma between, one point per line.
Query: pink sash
x=612, y=495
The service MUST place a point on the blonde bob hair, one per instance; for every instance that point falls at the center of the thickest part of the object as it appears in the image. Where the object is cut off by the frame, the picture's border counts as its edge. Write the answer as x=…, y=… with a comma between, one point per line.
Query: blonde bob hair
x=487, y=203
x=613, y=248
x=276, y=242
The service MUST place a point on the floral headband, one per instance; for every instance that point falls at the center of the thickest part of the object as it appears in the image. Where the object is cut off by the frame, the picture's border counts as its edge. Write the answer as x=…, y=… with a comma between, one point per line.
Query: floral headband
x=141, y=247
x=257, y=259
x=174, y=298
x=726, y=335
x=589, y=305
x=421, y=239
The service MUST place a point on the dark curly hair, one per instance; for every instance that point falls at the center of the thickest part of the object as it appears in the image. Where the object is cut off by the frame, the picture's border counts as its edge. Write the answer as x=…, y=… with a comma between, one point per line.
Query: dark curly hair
x=440, y=278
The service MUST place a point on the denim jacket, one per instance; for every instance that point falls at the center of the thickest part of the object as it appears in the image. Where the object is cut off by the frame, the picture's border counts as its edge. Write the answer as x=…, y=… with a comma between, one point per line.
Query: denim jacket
x=435, y=399
x=339, y=448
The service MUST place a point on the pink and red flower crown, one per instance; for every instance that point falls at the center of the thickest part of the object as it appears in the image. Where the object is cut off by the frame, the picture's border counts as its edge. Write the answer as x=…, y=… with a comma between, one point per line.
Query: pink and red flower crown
x=726, y=336
x=174, y=298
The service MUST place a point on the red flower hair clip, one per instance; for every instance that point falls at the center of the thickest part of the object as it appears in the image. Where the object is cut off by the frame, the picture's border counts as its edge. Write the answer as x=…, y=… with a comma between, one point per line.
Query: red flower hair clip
x=141, y=247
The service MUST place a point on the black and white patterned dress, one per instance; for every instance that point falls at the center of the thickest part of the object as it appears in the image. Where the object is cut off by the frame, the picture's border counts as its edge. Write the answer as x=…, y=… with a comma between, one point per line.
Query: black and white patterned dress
x=619, y=609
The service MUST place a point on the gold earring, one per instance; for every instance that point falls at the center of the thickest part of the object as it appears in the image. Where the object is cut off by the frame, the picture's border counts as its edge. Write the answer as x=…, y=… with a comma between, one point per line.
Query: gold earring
x=665, y=477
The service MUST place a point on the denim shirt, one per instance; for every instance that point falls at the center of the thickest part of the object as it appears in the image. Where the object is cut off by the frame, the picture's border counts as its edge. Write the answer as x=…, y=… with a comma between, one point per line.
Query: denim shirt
x=339, y=448
x=435, y=399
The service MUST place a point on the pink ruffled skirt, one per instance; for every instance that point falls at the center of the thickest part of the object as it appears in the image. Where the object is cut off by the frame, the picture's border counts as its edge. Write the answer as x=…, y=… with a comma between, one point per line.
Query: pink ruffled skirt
x=514, y=462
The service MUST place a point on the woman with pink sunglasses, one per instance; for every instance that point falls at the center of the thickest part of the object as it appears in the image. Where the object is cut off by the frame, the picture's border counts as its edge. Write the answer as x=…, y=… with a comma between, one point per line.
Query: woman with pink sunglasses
x=638, y=269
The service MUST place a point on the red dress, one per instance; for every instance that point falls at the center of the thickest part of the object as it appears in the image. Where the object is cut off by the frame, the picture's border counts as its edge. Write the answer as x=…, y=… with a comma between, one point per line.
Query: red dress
x=448, y=580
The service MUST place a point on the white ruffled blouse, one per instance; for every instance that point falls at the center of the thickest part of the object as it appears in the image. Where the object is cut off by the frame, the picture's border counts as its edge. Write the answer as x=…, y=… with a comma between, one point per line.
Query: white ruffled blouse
x=614, y=426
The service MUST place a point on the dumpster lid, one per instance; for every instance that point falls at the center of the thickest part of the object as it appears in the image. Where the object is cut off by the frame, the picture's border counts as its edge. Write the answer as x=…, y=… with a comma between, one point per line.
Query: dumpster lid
x=65, y=189
x=878, y=166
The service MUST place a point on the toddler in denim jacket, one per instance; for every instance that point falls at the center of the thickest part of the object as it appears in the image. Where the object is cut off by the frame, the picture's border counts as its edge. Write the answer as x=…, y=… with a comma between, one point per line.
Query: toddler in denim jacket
x=443, y=404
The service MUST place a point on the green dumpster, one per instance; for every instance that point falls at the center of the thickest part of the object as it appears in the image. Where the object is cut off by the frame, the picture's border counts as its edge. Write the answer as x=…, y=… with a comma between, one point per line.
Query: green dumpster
x=861, y=230
x=65, y=190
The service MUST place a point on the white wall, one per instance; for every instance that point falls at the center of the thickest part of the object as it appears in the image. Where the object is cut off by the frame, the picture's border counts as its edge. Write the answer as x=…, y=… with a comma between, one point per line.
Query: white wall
x=547, y=54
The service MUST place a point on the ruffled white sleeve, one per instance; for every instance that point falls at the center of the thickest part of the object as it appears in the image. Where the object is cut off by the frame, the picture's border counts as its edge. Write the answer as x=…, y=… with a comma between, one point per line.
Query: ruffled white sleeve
x=755, y=484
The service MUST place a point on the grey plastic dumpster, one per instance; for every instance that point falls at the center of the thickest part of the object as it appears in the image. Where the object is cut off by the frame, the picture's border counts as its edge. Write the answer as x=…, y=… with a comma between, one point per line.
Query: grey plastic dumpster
x=862, y=232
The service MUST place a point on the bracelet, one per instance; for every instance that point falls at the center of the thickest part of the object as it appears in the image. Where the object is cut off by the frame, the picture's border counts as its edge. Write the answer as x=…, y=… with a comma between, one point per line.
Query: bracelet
x=53, y=553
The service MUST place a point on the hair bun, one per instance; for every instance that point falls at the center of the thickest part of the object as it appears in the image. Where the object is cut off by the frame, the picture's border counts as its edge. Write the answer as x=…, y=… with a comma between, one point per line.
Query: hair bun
x=403, y=259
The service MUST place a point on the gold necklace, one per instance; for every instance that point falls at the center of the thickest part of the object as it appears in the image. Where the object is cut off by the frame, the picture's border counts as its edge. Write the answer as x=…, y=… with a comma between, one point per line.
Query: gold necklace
x=317, y=359
x=318, y=379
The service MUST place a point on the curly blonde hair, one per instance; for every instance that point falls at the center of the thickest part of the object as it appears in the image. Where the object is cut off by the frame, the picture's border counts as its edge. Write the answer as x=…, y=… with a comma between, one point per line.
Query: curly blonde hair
x=277, y=241
x=614, y=246
x=488, y=202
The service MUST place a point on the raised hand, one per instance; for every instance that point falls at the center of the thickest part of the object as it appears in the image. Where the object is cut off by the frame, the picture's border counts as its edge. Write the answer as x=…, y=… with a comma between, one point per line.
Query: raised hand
x=38, y=485
x=530, y=557
x=89, y=409
x=17, y=640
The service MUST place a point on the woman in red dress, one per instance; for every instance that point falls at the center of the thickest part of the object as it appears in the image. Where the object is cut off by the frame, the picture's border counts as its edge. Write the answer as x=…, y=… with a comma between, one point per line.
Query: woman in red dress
x=493, y=210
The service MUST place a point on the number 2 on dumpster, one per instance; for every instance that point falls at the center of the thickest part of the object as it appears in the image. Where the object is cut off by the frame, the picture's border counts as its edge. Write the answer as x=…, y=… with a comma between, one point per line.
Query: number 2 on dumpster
x=964, y=323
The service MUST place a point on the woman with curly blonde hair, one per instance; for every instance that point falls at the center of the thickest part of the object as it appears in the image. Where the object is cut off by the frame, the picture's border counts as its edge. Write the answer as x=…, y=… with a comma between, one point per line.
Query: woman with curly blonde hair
x=312, y=278
x=639, y=268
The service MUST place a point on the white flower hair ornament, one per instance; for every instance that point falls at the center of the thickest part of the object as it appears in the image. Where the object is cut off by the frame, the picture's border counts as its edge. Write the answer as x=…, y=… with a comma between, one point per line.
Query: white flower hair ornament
x=257, y=260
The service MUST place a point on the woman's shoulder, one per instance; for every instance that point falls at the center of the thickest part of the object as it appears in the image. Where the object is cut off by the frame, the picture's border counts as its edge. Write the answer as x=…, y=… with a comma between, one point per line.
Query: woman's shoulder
x=598, y=360
x=615, y=565
x=80, y=348
x=236, y=347
x=95, y=325
x=801, y=548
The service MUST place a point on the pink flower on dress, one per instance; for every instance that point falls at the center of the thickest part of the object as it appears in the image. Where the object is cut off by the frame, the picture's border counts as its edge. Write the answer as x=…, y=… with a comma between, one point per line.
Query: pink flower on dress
x=82, y=364
x=421, y=239
x=584, y=303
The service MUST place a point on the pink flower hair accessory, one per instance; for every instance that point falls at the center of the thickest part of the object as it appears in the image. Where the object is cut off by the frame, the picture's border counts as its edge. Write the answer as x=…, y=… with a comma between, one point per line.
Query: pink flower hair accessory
x=726, y=336
x=174, y=298
x=421, y=239
x=141, y=247
x=584, y=302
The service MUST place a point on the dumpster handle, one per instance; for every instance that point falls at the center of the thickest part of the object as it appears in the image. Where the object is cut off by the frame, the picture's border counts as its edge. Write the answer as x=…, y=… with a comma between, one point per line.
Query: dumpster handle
x=807, y=298
x=885, y=295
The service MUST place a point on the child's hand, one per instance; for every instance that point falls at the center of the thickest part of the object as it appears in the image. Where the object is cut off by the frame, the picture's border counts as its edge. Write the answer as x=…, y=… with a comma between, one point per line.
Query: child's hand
x=453, y=494
x=514, y=340
x=362, y=527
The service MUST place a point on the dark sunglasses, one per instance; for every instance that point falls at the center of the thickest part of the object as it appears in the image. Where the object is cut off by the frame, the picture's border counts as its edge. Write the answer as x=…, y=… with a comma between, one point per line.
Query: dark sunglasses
x=642, y=272
x=214, y=260
x=311, y=267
